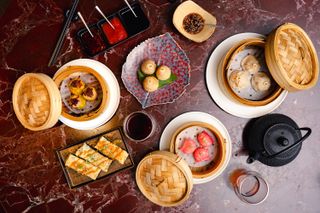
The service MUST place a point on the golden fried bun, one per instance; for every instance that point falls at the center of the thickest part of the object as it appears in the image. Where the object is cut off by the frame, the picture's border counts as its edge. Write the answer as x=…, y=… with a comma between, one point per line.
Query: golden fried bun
x=163, y=72
x=148, y=66
x=150, y=84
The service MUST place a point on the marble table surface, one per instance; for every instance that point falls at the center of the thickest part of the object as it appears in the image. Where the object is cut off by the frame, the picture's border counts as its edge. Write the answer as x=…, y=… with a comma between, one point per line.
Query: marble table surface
x=31, y=179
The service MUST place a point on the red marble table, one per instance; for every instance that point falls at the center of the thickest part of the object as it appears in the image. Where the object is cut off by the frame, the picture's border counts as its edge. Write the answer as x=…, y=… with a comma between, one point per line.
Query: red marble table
x=31, y=179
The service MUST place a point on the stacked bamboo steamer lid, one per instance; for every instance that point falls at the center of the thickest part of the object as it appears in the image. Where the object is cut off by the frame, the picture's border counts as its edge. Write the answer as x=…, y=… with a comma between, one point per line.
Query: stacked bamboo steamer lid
x=292, y=58
x=164, y=178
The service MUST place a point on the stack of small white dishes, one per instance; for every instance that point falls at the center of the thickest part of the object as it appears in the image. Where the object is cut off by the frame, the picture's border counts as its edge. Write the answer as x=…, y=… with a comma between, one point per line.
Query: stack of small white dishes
x=191, y=117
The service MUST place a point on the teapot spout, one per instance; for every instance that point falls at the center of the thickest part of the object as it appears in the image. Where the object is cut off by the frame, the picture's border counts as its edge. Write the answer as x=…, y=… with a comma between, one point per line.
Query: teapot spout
x=253, y=157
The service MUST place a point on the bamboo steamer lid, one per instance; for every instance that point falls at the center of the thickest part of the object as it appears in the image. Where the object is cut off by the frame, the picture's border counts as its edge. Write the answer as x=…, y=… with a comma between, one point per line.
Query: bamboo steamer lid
x=36, y=101
x=164, y=178
x=292, y=58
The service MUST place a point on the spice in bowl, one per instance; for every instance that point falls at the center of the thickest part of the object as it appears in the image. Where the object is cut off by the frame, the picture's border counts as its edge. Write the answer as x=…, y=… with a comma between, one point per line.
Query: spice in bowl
x=193, y=23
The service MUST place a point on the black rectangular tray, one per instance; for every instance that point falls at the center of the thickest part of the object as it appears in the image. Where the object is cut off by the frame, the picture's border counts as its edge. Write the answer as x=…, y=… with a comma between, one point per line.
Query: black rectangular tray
x=132, y=27
x=75, y=179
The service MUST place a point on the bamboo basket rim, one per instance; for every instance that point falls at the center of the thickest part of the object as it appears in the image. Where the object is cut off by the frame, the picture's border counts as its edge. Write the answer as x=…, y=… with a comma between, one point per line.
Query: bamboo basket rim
x=54, y=96
x=179, y=163
x=220, y=139
x=104, y=86
x=273, y=59
x=226, y=63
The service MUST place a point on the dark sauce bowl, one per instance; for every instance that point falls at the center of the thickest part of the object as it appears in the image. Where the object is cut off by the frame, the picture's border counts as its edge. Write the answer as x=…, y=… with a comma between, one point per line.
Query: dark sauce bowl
x=138, y=126
x=134, y=25
x=92, y=45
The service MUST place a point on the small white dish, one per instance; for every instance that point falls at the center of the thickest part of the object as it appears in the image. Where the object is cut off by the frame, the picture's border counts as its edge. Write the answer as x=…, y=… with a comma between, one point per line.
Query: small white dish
x=187, y=117
x=112, y=83
x=224, y=100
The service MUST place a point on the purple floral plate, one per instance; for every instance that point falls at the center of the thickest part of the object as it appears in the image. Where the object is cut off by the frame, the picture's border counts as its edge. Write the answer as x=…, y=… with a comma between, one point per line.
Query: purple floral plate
x=164, y=50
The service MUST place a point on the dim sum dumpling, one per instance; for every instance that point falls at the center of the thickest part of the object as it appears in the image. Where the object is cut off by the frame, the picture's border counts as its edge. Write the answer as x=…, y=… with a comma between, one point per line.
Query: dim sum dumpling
x=90, y=93
x=77, y=102
x=260, y=82
x=163, y=72
x=251, y=64
x=239, y=79
x=76, y=86
x=148, y=67
x=150, y=84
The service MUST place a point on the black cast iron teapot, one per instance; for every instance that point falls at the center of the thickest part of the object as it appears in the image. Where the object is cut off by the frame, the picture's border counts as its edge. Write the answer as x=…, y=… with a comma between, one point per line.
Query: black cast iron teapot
x=273, y=139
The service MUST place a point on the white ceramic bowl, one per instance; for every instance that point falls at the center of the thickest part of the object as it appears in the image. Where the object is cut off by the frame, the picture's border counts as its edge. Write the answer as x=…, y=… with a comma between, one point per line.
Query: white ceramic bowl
x=114, y=94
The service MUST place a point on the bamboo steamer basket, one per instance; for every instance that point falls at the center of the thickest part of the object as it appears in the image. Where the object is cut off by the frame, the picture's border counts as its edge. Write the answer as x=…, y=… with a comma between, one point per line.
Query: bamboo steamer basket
x=211, y=169
x=36, y=101
x=292, y=58
x=105, y=97
x=225, y=64
x=164, y=178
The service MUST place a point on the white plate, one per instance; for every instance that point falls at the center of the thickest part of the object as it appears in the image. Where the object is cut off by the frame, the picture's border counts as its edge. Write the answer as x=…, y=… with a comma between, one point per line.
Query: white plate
x=113, y=85
x=196, y=116
x=222, y=100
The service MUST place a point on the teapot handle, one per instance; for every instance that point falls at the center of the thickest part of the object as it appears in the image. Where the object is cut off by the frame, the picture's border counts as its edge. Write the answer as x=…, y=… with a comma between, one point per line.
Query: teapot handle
x=296, y=143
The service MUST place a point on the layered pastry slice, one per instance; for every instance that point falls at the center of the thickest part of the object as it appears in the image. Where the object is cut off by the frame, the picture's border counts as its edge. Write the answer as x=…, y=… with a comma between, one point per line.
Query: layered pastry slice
x=111, y=150
x=94, y=157
x=82, y=167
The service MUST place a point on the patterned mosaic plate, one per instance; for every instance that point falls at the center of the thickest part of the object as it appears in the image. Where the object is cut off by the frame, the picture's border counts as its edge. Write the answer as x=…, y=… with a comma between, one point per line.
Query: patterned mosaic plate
x=164, y=50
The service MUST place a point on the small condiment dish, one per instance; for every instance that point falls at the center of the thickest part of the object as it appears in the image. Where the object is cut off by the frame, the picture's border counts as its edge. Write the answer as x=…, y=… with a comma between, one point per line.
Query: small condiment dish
x=187, y=8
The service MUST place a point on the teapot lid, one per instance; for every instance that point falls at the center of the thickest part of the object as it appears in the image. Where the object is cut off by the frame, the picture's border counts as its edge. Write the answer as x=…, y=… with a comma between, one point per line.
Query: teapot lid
x=280, y=136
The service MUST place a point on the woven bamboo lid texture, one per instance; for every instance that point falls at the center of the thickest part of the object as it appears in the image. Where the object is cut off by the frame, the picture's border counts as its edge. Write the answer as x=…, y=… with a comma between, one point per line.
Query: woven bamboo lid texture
x=164, y=178
x=36, y=101
x=292, y=58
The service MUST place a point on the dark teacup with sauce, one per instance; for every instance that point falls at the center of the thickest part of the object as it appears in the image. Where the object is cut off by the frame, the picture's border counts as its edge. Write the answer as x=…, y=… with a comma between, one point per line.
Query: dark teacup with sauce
x=138, y=126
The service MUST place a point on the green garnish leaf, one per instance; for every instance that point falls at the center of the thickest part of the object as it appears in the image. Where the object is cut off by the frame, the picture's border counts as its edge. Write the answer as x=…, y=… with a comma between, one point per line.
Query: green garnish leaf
x=142, y=76
x=170, y=80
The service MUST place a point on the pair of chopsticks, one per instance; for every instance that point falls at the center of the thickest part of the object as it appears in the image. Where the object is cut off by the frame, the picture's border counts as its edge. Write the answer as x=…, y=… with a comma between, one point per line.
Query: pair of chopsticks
x=102, y=14
x=63, y=33
x=67, y=24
